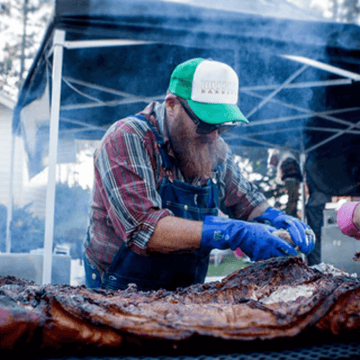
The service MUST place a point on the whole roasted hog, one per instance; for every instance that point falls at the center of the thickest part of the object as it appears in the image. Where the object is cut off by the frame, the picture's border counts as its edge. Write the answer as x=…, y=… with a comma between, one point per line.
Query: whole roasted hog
x=274, y=299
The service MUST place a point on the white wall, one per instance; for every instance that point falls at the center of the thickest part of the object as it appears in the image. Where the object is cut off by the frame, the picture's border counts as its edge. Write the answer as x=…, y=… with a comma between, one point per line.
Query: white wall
x=6, y=107
x=33, y=190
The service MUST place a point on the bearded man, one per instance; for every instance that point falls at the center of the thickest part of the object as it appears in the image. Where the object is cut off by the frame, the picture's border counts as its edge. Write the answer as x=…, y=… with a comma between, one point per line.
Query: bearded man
x=161, y=177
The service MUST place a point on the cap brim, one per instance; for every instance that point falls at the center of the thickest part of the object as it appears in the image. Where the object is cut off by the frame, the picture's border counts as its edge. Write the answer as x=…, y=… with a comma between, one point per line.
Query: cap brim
x=217, y=113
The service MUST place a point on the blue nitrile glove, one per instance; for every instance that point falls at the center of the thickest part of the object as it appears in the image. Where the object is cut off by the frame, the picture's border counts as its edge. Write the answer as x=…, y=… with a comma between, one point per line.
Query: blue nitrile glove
x=301, y=234
x=255, y=240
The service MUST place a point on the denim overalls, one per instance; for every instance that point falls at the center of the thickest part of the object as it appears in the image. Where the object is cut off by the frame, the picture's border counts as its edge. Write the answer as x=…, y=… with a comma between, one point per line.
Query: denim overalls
x=167, y=271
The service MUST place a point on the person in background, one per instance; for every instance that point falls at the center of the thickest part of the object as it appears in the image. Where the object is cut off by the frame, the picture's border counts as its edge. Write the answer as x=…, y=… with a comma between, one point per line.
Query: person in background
x=289, y=172
x=161, y=177
x=348, y=219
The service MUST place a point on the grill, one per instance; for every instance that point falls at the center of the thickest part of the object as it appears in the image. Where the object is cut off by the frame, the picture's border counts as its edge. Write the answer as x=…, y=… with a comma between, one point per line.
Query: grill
x=327, y=350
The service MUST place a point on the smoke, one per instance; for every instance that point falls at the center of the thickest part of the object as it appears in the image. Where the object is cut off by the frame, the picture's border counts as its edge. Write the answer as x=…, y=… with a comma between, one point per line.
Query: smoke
x=108, y=83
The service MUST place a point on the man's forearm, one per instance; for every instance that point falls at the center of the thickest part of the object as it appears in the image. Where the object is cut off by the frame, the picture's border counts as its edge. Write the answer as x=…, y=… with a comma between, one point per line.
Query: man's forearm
x=174, y=234
x=258, y=210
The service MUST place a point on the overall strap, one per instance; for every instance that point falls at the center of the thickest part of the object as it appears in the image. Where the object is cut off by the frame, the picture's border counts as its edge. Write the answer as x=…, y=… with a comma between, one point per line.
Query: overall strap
x=168, y=164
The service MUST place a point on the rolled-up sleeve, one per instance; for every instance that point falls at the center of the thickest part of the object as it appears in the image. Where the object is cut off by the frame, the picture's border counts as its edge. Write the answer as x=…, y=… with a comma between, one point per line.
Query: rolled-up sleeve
x=239, y=195
x=125, y=177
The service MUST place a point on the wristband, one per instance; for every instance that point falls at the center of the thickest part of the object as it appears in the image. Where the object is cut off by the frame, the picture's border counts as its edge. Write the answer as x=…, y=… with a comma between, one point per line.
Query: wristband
x=345, y=219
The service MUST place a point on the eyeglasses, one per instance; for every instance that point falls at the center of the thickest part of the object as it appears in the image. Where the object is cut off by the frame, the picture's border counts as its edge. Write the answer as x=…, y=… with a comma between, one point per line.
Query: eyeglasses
x=204, y=128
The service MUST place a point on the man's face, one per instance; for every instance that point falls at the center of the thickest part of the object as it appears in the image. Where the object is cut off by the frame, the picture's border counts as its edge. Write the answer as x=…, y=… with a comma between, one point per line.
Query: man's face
x=197, y=154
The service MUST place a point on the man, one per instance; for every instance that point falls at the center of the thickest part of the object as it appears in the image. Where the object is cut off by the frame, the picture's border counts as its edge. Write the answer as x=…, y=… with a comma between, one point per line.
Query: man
x=160, y=178
x=289, y=173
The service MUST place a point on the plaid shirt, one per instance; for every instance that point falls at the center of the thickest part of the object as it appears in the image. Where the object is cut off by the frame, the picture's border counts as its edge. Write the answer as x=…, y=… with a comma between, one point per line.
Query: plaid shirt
x=126, y=206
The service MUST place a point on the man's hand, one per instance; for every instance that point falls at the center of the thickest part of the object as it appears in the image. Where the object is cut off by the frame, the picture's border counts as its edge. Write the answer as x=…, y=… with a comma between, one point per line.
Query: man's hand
x=301, y=233
x=255, y=240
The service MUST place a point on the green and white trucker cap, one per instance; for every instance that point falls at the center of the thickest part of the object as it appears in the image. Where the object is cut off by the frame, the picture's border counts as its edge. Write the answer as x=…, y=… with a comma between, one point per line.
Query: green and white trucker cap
x=211, y=89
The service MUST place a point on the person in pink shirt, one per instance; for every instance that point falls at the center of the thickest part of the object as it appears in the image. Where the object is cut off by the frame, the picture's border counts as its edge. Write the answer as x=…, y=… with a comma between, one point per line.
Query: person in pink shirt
x=348, y=219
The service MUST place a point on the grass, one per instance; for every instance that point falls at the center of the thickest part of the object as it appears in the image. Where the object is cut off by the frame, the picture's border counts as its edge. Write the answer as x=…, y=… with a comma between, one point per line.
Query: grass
x=228, y=265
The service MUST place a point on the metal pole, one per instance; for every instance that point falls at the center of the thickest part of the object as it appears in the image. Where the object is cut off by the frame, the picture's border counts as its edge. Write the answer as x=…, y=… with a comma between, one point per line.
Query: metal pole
x=277, y=90
x=11, y=195
x=58, y=42
x=325, y=67
x=303, y=184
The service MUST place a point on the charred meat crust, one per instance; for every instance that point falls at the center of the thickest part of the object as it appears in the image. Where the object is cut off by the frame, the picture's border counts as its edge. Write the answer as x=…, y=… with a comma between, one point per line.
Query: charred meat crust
x=276, y=298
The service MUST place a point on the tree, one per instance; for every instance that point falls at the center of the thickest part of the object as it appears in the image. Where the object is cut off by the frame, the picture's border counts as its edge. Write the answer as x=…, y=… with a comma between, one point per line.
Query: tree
x=347, y=11
x=253, y=162
x=22, y=25
x=27, y=231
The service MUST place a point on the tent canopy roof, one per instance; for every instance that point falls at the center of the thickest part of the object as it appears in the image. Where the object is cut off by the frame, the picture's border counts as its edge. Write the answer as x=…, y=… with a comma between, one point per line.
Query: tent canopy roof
x=291, y=101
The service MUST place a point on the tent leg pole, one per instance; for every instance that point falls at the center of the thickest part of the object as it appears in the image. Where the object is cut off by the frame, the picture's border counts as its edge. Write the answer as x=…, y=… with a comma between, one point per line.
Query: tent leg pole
x=303, y=184
x=11, y=195
x=59, y=38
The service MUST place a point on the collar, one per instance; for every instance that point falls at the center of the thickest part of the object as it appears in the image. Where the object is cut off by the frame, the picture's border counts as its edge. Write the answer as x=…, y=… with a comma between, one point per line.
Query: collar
x=155, y=113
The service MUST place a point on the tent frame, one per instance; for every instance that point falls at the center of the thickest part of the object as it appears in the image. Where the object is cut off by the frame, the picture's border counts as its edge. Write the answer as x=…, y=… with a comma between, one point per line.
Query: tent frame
x=58, y=46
